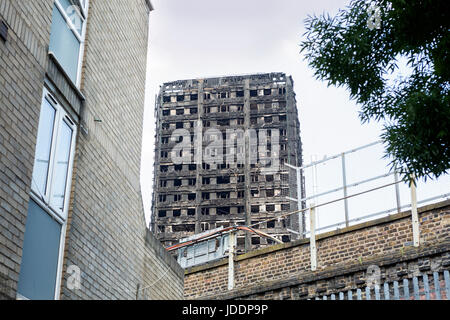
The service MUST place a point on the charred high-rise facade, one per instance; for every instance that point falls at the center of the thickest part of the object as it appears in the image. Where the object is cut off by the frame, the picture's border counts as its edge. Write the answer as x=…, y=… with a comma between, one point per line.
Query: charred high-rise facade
x=222, y=145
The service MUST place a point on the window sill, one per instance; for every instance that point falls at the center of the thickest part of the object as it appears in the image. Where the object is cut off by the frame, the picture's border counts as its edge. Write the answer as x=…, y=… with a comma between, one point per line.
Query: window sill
x=20, y=297
x=58, y=217
x=66, y=76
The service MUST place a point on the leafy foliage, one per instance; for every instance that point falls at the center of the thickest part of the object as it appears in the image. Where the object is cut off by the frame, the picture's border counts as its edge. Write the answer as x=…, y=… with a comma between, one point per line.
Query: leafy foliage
x=344, y=51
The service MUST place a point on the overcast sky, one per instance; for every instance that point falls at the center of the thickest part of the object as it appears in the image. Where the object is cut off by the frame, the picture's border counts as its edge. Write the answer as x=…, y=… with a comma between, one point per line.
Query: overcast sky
x=204, y=38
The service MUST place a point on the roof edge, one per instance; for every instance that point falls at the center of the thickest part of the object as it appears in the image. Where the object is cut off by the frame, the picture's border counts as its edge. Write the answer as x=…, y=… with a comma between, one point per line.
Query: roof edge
x=149, y=5
x=242, y=75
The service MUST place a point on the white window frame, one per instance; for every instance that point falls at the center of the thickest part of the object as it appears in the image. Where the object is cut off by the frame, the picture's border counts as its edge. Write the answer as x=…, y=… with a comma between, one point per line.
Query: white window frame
x=44, y=200
x=81, y=37
x=60, y=117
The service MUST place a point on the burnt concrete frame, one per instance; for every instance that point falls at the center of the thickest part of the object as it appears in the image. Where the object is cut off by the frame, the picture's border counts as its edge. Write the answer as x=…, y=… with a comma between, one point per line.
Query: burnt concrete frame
x=252, y=104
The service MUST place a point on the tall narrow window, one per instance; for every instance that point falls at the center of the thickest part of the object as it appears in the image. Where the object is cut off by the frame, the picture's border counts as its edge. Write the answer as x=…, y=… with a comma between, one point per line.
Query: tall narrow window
x=53, y=157
x=47, y=209
x=61, y=166
x=43, y=147
x=67, y=35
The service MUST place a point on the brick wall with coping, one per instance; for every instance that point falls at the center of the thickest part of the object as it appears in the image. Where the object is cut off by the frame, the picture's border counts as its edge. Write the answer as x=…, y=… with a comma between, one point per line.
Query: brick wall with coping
x=344, y=253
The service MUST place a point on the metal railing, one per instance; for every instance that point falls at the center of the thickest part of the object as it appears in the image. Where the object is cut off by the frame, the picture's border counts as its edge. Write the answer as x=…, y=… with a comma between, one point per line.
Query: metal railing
x=312, y=197
x=308, y=205
x=416, y=288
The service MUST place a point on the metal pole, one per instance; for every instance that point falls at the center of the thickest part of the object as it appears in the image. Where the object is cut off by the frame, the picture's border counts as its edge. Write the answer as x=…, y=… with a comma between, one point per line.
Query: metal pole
x=301, y=227
x=344, y=181
x=231, y=244
x=312, y=238
x=414, y=214
x=299, y=204
x=397, y=192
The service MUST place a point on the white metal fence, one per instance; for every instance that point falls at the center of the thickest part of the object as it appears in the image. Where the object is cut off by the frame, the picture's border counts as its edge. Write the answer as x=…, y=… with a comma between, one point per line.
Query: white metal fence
x=358, y=186
x=423, y=287
x=349, y=188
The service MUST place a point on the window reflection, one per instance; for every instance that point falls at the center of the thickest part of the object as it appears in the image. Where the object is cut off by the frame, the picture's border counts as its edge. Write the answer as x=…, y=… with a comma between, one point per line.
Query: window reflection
x=43, y=148
x=60, y=170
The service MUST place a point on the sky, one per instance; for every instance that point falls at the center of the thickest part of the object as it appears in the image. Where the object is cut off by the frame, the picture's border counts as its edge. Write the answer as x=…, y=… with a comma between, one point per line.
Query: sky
x=206, y=38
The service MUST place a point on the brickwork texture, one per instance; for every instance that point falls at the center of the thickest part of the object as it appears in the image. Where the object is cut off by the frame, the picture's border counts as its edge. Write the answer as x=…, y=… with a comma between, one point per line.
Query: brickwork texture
x=283, y=271
x=23, y=62
x=106, y=235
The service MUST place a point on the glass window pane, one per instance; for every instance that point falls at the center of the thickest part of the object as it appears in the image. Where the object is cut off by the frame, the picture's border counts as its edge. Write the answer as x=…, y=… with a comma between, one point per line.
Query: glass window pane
x=72, y=10
x=61, y=166
x=37, y=279
x=64, y=45
x=43, y=148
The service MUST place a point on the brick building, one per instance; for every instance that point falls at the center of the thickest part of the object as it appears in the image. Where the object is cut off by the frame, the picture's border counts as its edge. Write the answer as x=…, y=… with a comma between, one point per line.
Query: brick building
x=221, y=149
x=72, y=83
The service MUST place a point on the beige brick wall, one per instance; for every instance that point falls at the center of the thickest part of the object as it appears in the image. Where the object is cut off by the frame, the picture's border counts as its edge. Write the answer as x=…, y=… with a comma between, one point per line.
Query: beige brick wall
x=338, y=252
x=22, y=70
x=106, y=236
x=107, y=232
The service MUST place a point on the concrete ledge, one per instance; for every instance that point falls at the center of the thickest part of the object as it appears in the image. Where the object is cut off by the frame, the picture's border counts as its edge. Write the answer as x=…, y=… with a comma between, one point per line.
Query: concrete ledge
x=62, y=87
x=279, y=247
x=153, y=243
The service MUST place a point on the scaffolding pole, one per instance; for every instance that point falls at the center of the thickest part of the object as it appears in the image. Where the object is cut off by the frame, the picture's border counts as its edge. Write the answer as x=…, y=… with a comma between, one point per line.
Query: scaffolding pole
x=231, y=253
x=312, y=238
x=301, y=229
x=414, y=214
